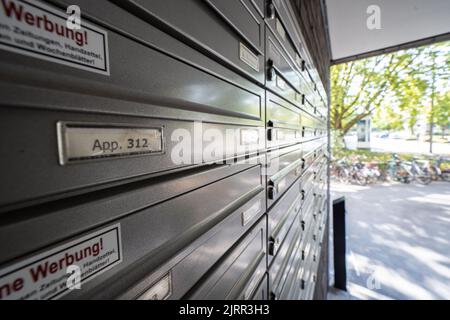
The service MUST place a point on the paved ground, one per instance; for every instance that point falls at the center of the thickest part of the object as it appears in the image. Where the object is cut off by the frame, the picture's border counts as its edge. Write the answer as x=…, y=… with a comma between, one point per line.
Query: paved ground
x=398, y=241
x=401, y=146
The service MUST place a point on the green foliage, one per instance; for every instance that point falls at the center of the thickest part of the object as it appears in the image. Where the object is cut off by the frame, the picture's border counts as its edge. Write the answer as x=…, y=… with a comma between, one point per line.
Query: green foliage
x=395, y=89
x=370, y=156
x=442, y=111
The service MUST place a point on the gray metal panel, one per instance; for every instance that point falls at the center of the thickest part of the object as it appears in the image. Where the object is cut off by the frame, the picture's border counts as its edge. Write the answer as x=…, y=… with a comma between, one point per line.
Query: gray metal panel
x=283, y=122
x=281, y=217
x=284, y=261
x=311, y=150
x=291, y=36
x=284, y=167
x=163, y=82
x=238, y=274
x=187, y=224
x=219, y=29
x=285, y=12
x=166, y=88
x=260, y=6
x=282, y=76
x=312, y=128
x=151, y=235
x=262, y=292
x=162, y=85
x=35, y=156
x=283, y=29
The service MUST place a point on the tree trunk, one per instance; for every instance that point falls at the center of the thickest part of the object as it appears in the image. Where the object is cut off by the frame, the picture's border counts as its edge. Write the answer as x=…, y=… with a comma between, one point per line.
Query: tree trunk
x=338, y=140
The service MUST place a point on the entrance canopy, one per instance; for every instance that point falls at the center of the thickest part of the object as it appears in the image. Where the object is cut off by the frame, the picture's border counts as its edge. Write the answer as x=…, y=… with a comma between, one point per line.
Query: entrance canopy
x=363, y=28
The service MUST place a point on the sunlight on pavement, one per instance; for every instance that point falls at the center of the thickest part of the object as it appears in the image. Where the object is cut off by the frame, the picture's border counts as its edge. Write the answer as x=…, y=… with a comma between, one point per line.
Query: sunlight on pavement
x=439, y=199
x=397, y=240
x=347, y=187
x=364, y=293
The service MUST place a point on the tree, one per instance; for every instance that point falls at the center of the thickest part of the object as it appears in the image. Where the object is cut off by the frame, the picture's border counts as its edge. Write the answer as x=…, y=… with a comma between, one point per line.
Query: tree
x=395, y=88
x=358, y=88
x=410, y=96
x=442, y=111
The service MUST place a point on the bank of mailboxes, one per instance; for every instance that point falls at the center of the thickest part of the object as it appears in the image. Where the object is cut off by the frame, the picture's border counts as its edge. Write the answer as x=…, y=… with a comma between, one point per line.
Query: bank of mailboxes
x=248, y=228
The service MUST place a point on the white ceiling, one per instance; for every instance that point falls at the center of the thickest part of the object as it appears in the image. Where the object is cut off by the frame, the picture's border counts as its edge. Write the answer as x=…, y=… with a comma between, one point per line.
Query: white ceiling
x=402, y=21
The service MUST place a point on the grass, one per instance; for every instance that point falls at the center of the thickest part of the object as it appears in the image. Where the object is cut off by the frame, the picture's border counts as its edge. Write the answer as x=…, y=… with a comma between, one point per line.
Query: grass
x=370, y=156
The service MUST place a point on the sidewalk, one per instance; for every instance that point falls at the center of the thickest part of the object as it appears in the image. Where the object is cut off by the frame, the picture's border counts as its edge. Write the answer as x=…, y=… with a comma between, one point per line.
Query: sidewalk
x=401, y=146
x=398, y=244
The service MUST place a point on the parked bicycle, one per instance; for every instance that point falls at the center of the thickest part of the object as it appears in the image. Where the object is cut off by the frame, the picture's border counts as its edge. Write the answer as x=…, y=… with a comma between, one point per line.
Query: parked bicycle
x=407, y=172
x=397, y=170
x=354, y=171
x=440, y=169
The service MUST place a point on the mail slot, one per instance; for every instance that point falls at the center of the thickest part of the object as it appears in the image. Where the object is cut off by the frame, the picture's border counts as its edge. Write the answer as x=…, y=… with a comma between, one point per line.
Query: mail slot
x=281, y=217
x=307, y=284
x=283, y=122
x=305, y=272
x=282, y=77
x=229, y=31
x=292, y=43
x=280, y=24
x=298, y=279
x=239, y=273
x=178, y=150
x=307, y=215
x=262, y=292
x=323, y=223
x=149, y=82
x=322, y=228
x=311, y=128
x=284, y=167
x=277, y=24
x=311, y=151
x=165, y=228
x=78, y=152
x=307, y=186
x=286, y=257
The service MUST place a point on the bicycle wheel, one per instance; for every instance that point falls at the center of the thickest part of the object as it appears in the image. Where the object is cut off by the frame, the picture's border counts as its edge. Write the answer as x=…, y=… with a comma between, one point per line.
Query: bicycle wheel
x=360, y=179
x=424, y=179
x=446, y=176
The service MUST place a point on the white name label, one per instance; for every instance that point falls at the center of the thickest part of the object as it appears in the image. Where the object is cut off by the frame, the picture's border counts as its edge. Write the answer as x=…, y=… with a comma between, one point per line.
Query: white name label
x=247, y=56
x=251, y=212
x=40, y=31
x=161, y=290
x=250, y=137
x=80, y=142
x=45, y=276
x=280, y=29
x=281, y=84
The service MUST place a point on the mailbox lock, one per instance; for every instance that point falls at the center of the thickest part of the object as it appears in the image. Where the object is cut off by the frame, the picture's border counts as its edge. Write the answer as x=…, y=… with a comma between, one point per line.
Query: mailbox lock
x=270, y=134
x=302, y=285
x=273, y=244
x=273, y=296
x=272, y=192
x=271, y=74
x=270, y=11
